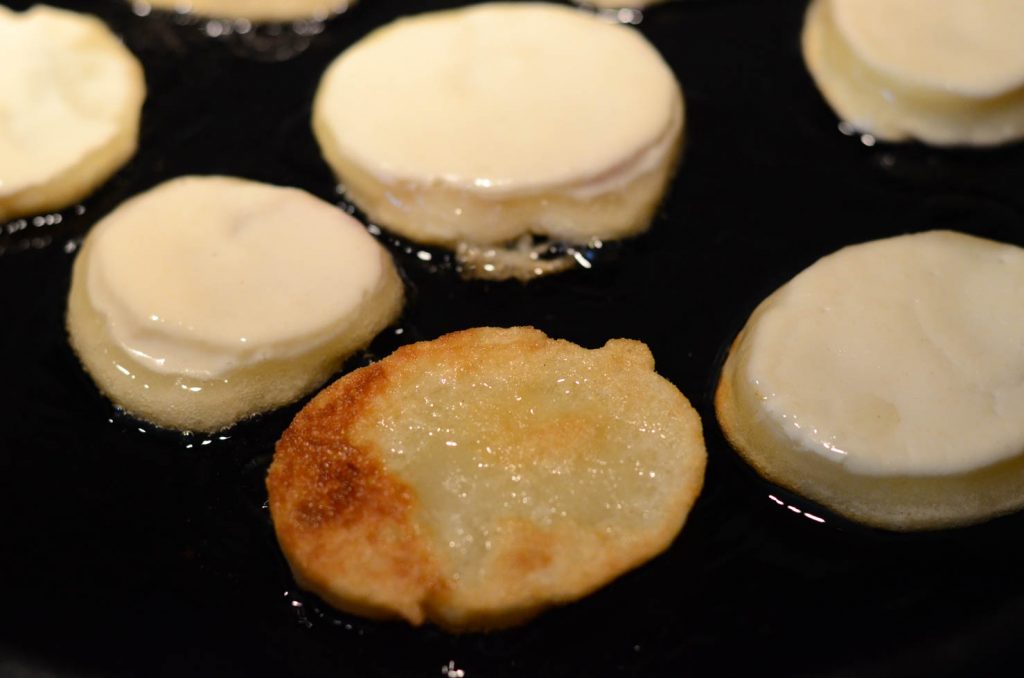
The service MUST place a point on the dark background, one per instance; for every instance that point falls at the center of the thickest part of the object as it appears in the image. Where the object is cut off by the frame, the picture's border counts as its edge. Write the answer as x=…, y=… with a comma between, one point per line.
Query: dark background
x=130, y=551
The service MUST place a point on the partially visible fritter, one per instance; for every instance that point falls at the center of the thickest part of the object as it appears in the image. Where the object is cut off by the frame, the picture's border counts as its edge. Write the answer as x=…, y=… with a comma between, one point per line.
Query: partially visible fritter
x=943, y=72
x=70, y=101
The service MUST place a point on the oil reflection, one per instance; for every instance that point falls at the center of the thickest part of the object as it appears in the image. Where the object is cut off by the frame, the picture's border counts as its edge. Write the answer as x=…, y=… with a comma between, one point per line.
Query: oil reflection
x=796, y=509
x=309, y=612
x=260, y=41
x=205, y=442
x=631, y=16
x=524, y=259
x=847, y=129
x=36, y=232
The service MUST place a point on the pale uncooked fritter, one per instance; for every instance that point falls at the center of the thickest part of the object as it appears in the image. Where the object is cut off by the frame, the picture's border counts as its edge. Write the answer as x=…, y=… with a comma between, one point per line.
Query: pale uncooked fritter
x=945, y=72
x=886, y=382
x=478, y=478
x=209, y=299
x=476, y=127
x=71, y=96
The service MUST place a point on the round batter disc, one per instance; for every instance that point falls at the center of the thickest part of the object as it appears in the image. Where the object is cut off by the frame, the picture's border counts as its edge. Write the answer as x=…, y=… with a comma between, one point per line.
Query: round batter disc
x=482, y=125
x=886, y=382
x=209, y=299
x=945, y=72
x=71, y=96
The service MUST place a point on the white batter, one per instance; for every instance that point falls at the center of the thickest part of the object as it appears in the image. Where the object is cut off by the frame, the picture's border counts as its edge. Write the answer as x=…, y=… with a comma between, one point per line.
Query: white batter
x=70, y=100
x=203, y=279
x=942, y=71
x=896, y=359
x=483, y=124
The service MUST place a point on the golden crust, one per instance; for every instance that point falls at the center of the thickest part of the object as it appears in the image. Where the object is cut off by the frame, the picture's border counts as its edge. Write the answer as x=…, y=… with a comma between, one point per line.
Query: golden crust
x=339, y=499
x=388, y=533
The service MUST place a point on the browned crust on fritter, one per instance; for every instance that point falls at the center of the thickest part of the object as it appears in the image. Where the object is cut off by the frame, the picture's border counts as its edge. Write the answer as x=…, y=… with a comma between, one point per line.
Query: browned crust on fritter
x=333, y=502
x=336, y=508
x=456, y=346
x=352, y=529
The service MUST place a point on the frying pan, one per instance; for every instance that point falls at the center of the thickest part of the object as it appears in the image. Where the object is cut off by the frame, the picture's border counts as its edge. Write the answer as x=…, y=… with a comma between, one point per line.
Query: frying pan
x=132, y=551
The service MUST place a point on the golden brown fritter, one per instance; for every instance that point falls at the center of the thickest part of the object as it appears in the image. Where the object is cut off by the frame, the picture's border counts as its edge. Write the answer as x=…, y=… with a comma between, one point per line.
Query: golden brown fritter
x=478, y=478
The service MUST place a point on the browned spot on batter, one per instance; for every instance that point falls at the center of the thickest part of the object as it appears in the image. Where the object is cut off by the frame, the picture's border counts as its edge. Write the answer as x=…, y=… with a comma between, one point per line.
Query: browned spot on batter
x=350, y=486
x=530, y=557
x=339, y=512
x=368, y=541
x=321, y=476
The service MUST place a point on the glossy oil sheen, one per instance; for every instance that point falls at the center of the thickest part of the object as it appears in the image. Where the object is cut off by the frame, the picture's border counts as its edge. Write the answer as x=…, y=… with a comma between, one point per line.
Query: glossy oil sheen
x=129, y=551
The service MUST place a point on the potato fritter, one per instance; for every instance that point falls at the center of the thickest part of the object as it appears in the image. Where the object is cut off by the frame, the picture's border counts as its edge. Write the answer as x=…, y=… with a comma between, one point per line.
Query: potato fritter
x=478, y=478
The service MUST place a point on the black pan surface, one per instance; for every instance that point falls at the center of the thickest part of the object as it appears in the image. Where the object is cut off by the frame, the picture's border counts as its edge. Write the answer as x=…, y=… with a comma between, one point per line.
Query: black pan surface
x=128, y=551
